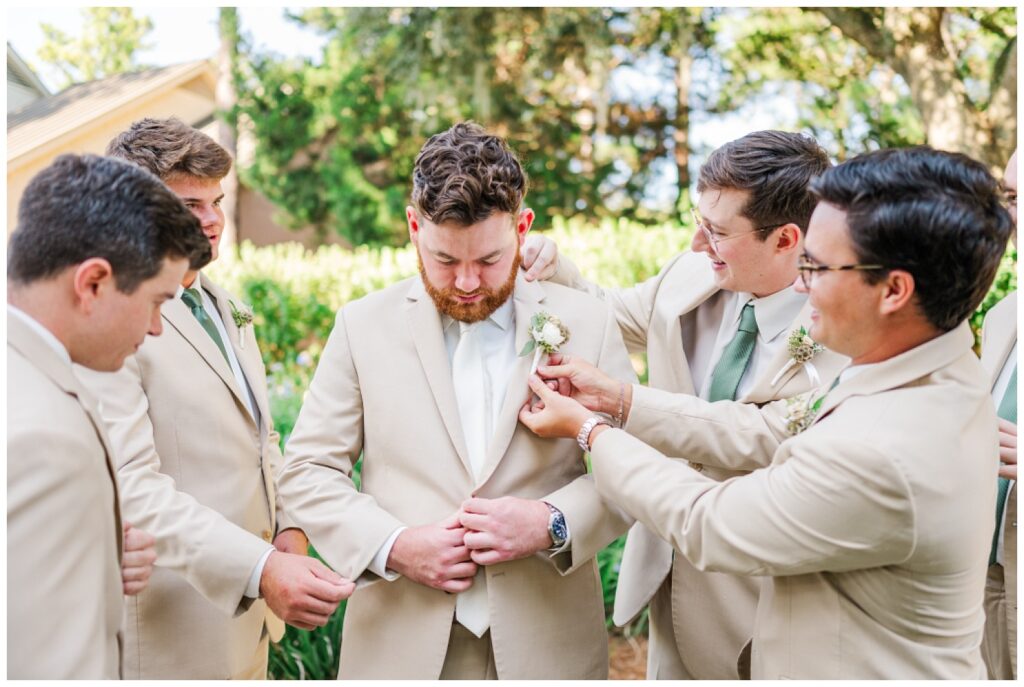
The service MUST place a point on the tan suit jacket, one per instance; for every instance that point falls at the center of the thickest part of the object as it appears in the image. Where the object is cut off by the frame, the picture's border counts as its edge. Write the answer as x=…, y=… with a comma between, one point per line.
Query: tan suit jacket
x=197, y=474
x=712, y=614
x=999, y=334
x=865, y=526
x=384, y=389
x=64, y=600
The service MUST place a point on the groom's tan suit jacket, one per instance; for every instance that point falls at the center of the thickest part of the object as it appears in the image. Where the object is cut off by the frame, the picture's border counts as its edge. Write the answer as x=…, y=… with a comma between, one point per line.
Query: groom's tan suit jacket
x=864, y=528
x=197, y=474
x=384, y=389
x=998, y=337
x=712, y=613
x=64, y=600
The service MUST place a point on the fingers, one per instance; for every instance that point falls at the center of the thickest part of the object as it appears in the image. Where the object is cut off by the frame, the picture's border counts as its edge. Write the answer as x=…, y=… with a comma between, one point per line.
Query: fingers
x=451, y=522
x=457, y=585
x=1008, y=454
x=136, y=540
x=1008, y=471
x=479, y=540
x=1007, y=427
x=322, y=572
x=538, y=387
x=461, y=570
x=474, y=521
x=487, y=557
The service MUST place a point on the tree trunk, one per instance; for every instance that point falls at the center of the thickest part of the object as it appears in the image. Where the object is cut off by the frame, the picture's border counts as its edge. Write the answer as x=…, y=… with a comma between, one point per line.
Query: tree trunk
x=681, y=121
x=912, y=42
x=226, y=129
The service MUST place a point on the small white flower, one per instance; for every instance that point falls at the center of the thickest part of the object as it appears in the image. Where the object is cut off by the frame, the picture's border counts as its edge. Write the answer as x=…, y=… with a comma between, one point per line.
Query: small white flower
x=551, y=335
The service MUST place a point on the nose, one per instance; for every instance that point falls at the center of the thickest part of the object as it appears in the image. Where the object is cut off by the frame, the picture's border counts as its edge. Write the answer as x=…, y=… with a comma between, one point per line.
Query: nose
x=700, y=242
x=156, y=326
x=207, y=215
x=467, y=278
x=798, y=284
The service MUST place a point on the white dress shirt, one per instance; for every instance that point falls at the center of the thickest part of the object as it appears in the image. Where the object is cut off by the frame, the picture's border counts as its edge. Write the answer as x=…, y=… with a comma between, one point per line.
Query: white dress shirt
x=774, y=315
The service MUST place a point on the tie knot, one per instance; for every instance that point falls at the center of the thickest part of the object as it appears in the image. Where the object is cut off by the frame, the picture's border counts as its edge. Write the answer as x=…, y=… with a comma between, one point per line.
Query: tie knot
x=192, y=298
x=748, y=323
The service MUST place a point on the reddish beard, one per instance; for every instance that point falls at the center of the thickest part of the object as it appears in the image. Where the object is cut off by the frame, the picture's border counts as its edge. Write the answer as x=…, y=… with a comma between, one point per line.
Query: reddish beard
x=447, y=303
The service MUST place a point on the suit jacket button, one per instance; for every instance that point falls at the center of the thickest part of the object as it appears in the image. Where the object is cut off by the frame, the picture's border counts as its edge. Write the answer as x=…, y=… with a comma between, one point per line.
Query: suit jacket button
x=266, y=535
x=697, y=466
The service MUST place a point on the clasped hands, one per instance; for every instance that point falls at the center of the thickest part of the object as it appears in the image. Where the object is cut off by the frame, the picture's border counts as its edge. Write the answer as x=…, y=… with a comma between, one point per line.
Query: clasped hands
x=446, y=555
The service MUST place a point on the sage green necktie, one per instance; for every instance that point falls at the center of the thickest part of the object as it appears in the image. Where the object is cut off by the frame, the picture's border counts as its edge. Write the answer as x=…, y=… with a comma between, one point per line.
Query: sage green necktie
x=1007, y=411
x=195, y=303
x=735, y=358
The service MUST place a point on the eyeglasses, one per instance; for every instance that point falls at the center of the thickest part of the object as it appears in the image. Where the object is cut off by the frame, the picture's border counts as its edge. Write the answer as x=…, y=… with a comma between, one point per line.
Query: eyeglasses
x=714, y=239
x=808, y=269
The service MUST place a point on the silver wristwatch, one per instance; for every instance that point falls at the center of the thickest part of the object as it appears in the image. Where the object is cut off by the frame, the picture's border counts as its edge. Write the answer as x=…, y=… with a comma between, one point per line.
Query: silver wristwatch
x=583, y=438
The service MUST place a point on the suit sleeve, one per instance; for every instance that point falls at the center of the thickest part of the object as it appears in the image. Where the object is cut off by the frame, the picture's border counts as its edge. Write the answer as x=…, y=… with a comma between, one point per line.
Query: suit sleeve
x=790, y=518
x=55, y=556
x=593, y=521
x=212, y=553
x=346, y=527
x=632, y=306
x=724, y=434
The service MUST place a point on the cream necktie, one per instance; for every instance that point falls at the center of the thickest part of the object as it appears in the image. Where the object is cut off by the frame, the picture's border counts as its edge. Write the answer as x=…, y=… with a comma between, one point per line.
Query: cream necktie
x=471, y=609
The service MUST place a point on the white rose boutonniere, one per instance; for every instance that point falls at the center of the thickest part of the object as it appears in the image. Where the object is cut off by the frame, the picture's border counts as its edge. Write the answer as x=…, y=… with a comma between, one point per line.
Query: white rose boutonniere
x=547, y=334
x=801, y=412
x=802, y=349
x=243, y=318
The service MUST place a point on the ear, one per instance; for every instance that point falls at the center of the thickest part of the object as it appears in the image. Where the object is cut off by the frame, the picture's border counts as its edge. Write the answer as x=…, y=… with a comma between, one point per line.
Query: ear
x=898, y=292
x=523, y=224
x=788, y=238
x=414, y=223
x=91, y=280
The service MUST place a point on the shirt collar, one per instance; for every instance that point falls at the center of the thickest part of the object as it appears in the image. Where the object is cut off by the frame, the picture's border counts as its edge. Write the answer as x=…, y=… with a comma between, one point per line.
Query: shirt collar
x=502, y=317
x=42, y=331
x=773, y=313
x=197, y=285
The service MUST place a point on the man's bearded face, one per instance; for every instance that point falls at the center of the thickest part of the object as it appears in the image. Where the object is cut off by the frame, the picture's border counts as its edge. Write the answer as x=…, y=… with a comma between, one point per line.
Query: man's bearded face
x=452, y=301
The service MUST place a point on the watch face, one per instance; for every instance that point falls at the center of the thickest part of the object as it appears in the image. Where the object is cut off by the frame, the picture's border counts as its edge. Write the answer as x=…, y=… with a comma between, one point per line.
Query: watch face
x=558, y=528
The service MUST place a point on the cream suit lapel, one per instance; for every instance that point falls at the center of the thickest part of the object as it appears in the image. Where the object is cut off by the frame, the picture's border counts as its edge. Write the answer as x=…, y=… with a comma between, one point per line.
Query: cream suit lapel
x=178, y=315
x=248, y=356
x=902, y=369
x=1000, y=334
x=763, y=389
x=21, y=337
x=667, y=365
x=428, y=337
x=528, y=297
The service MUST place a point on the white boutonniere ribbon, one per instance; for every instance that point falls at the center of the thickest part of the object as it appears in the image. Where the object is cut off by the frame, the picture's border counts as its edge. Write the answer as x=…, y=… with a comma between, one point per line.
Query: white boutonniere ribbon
x=243, y=318
x=802, y=349
x=547, y=334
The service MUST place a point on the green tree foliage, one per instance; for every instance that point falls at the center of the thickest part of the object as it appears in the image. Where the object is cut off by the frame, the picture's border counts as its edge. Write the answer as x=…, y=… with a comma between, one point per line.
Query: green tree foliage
x=111, y=36
x=335, y=141
x=868, y=78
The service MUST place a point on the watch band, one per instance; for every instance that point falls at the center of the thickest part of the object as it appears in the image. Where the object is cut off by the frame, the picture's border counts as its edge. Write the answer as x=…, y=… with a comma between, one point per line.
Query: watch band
x=583, y=438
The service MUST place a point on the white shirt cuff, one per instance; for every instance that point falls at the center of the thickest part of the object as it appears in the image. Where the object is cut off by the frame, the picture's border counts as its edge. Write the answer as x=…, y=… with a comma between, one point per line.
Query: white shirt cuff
x=379, y=565
x=253, y=589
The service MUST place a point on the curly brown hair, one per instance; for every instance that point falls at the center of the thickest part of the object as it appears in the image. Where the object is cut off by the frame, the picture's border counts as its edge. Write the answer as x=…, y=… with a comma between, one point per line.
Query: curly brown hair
x=170, y=148
x=464, y=175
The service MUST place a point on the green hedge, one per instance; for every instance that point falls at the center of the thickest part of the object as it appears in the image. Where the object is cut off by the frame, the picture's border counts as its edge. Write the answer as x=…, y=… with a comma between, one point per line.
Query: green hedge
x=295, y=294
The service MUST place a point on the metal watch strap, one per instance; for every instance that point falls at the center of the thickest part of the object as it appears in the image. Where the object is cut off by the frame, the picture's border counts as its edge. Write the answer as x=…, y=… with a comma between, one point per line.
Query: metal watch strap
x=583, y=438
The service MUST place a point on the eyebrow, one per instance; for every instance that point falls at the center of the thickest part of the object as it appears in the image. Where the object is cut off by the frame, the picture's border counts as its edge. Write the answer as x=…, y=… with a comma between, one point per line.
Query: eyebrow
x=444, y=256
x=192, y=199
x=811, y=258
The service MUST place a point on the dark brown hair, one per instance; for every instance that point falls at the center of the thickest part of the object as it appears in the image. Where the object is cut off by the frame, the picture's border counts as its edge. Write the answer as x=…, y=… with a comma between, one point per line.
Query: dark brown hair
x=937, y=215
x=465, y=175
x=86, y=206
x=170, y=148
x=775, y=167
